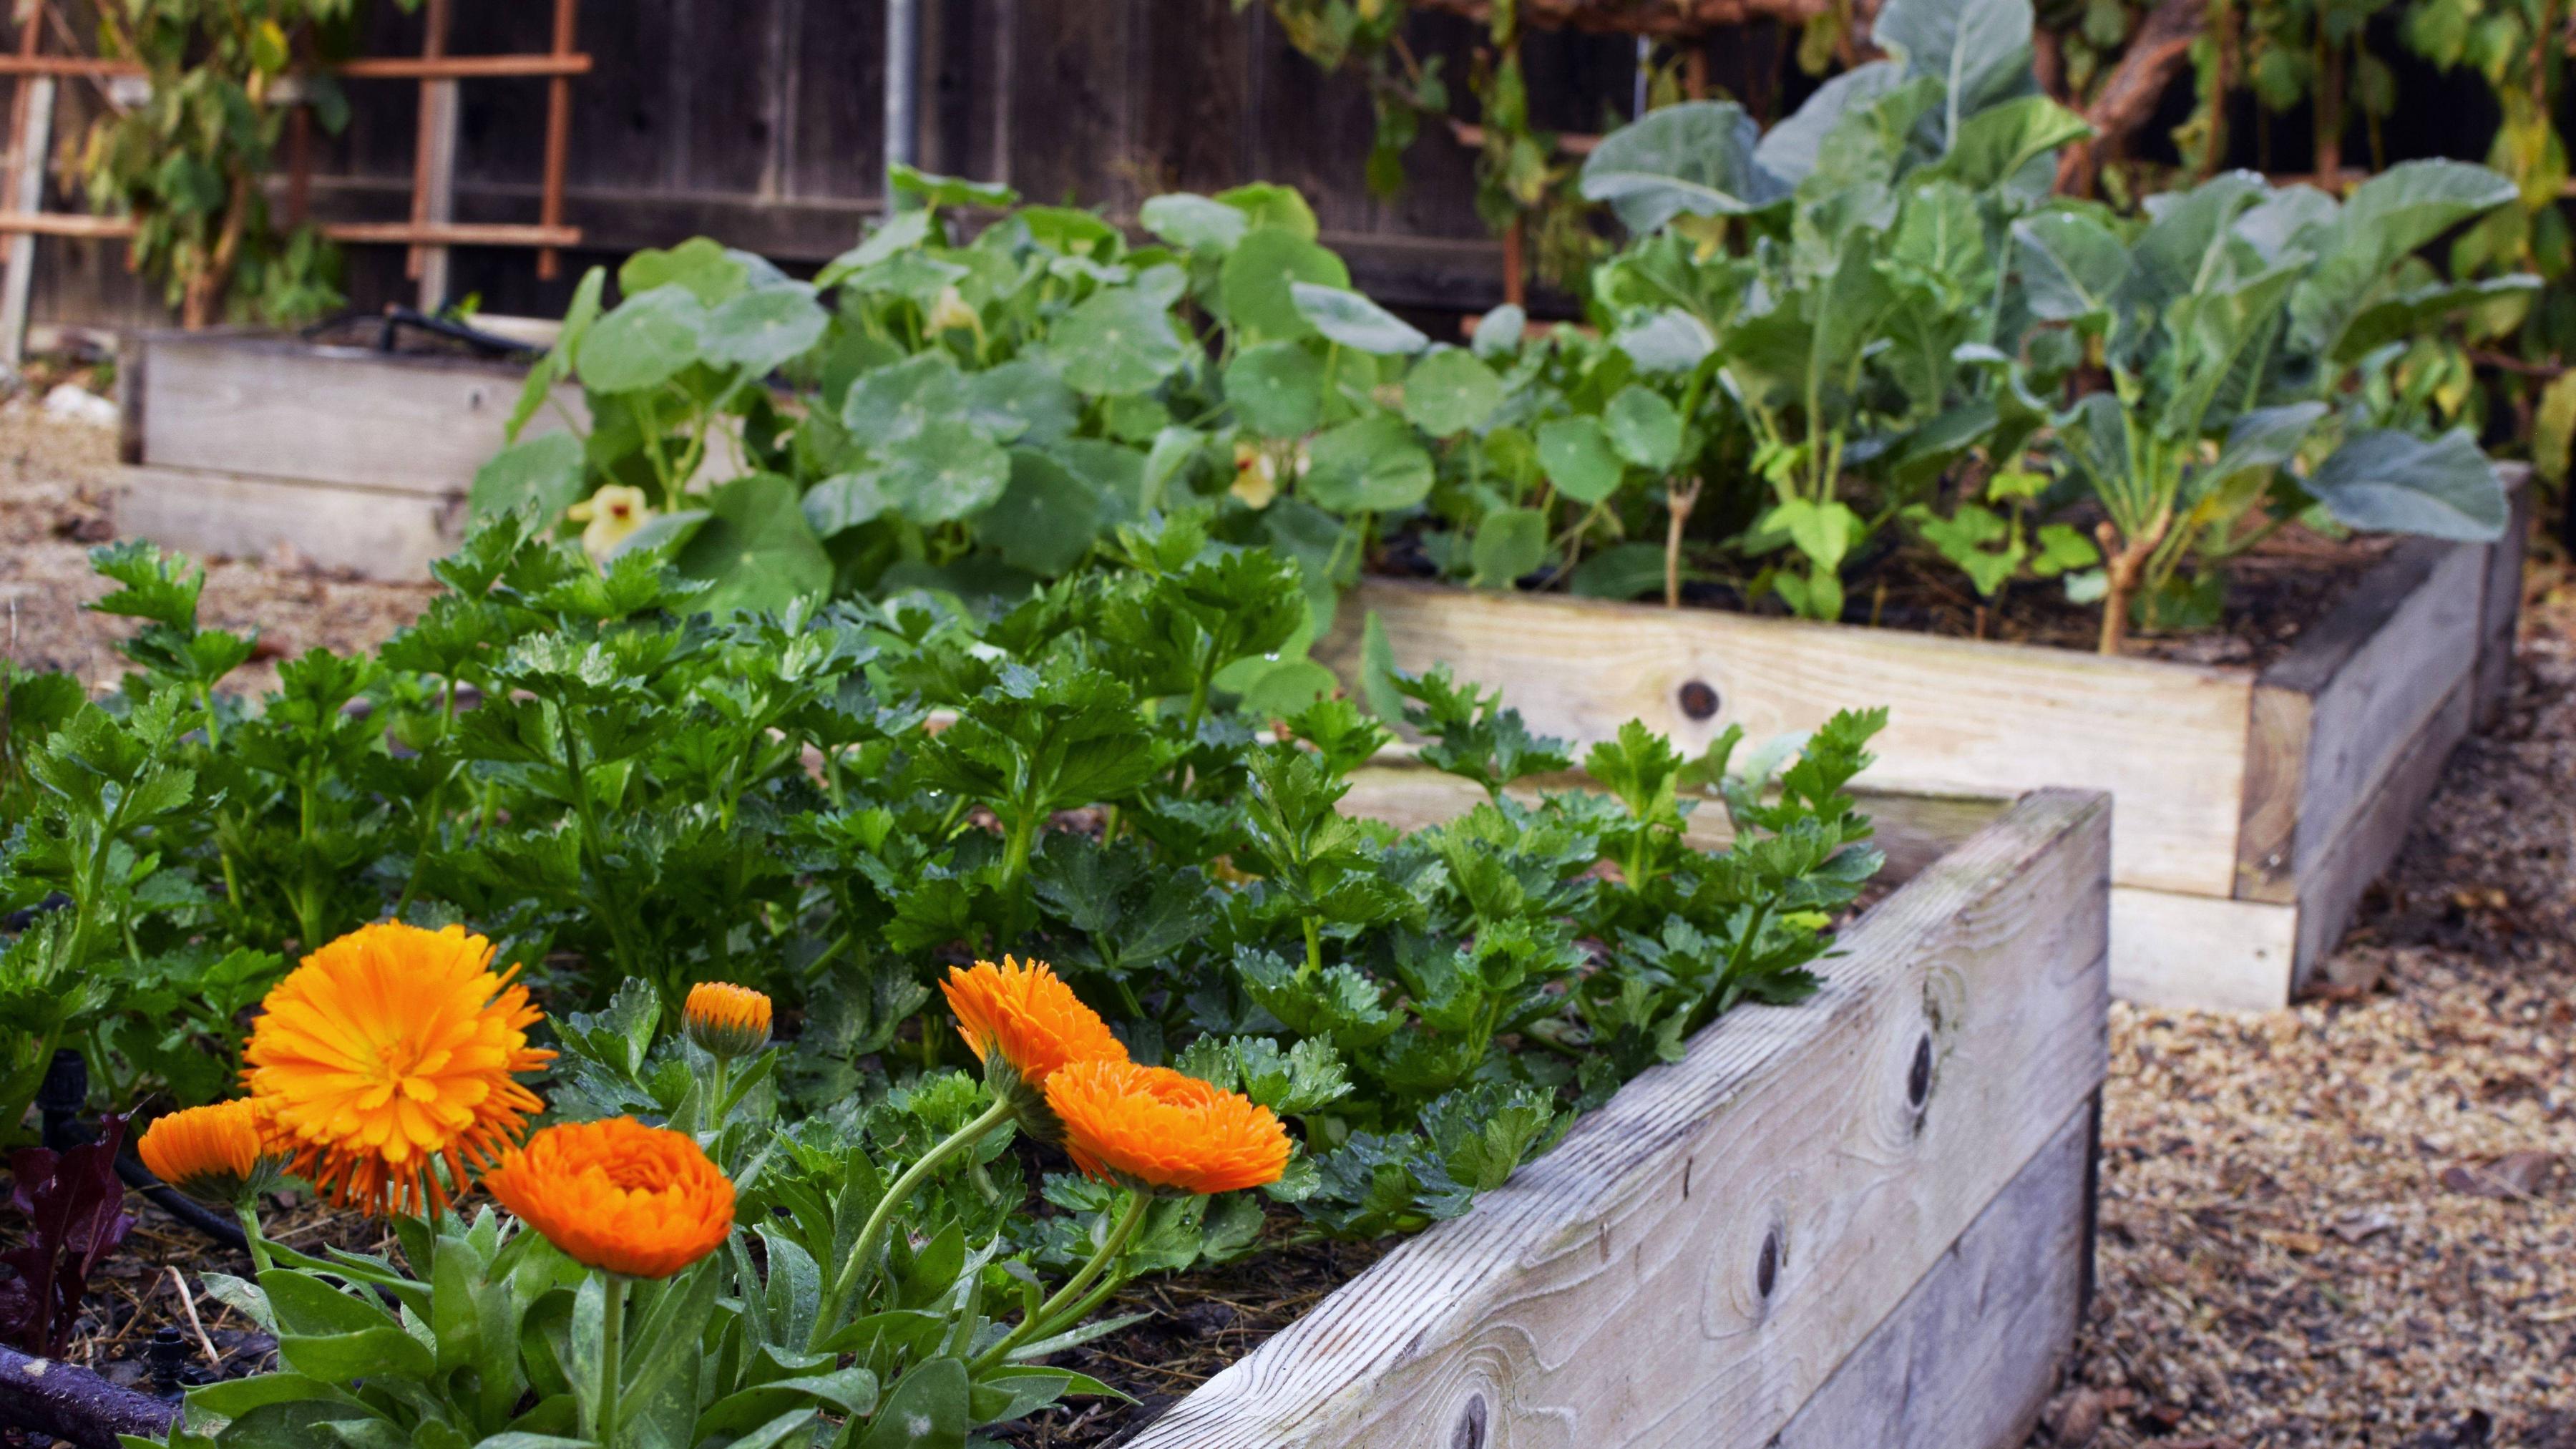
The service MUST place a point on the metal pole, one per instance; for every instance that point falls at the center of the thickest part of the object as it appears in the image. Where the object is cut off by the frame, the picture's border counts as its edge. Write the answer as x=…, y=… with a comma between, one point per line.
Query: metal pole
x=902, y=86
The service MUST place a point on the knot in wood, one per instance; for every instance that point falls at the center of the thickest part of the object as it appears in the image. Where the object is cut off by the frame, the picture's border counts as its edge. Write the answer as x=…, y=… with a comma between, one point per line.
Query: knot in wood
x=1470, y=1433
x=1699, y=699
x=1766, y=1267
x=1918, y=1077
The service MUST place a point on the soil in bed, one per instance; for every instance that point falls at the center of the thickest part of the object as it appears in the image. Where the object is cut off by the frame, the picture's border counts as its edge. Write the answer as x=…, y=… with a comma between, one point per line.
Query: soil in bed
x=2274, y=592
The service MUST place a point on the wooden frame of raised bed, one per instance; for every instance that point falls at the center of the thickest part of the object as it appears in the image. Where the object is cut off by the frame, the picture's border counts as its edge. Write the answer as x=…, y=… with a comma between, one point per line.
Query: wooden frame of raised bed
x=359, y=459
x=1865, y=1219
x=2254, y=806
x=1862, y=1220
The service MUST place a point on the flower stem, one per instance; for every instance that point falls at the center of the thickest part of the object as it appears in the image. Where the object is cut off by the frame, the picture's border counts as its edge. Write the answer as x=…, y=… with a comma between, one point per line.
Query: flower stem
x=878, y=1220
x=1071, y=1294
x=612, y=1333
x=248, y=1212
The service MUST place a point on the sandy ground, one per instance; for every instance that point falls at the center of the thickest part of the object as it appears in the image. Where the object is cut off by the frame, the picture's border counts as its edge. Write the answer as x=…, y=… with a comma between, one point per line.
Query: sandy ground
x=2352, y=1223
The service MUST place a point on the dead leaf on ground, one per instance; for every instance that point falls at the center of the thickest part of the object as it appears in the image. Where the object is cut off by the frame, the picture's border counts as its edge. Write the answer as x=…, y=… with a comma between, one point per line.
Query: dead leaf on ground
x=2513, y=1176
x=2360, y=1227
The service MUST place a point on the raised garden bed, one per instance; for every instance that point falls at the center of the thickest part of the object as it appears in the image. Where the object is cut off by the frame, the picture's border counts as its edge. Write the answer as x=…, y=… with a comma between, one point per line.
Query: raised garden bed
x=1861, y=1217
x=2255, y=805
x=359, y=458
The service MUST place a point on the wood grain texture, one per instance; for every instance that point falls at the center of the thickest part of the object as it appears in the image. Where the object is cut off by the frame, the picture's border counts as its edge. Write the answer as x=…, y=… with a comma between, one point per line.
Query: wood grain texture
x=1913, y=831
x=2403, y=671
x=2206, y=953
x=2168, y=740
x=1613, y=1293
x=1956, y=1366
x=2501, y=614
x=266, y=407
x=2276, y=761
x=377, y=535
x=2331, y=888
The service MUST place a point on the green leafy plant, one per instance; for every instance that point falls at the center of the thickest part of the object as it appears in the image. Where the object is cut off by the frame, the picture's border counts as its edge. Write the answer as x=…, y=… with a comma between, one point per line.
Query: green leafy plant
x=2231, y=324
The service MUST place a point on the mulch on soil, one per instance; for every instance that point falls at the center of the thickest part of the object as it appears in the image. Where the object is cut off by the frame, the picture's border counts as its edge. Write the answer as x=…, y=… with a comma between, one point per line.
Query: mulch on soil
x=2352, y=1223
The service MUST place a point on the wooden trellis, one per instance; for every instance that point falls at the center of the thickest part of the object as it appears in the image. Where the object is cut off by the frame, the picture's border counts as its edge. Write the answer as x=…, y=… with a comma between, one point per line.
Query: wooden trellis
x=431, y=228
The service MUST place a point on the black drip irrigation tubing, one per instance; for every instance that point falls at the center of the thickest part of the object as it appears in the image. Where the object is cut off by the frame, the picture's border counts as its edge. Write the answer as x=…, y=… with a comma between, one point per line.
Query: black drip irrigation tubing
x=59, y=1102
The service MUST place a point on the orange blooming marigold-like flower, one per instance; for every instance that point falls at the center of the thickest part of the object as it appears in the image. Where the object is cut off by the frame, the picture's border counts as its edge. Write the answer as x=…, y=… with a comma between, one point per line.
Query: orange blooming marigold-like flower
x=726, y=1021
x=1152, y=1127
x=618, y=1195
x=389, y=1050
x=1028, y=1018
x=214, y=1154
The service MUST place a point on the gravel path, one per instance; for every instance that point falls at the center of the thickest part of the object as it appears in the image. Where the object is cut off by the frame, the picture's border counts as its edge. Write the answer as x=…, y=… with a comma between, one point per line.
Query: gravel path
x=2352, y=1223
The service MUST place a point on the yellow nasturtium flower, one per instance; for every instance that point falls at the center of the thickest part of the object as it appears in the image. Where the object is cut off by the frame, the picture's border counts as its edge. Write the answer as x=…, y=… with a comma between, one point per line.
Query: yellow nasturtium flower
x=610, y=516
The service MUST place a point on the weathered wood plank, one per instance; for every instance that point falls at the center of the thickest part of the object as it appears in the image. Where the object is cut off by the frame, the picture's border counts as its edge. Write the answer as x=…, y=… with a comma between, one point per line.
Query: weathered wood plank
x=2276, y=758
x=1913, y=831
x=2331, y=887
x=268, y=407
x=1699, y=1256
x=377, y=535
x=2170, y=948
x=1961, y=1363
x=2502, y=612
x=2425, y=599
x=2168, y=740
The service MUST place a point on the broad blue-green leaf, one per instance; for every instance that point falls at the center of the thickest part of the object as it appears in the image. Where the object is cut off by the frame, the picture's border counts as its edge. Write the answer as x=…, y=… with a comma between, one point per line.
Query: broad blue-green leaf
x=2072, y=266
x=1255, y=280
x=1117, y=341
x=1368, y=465
x=542, y=474
x=1499, y=331
x=1269, y=204
x=761, y=330
x=2395, y=482
x=1978, y=49
x=646, y=341
x=1665, y=340
x=1022, y=401
x=900, y=233
x=1356, y=322
x=2266, y=438
x=1792, y=148
x=1450, y=392
x=1643, y=428
x=949, y=469
x=1277, y=388
x=2403, y=316
x=923, y=188
x=1994, y=145
x=1509, y=542
x=1194, y=223
x=756, y=548
x=2384, y=220
x=844, y=500
x=1578, y=458
x=1046, y=518
x=1693, y=159
x=702, y=265
x=897, y=402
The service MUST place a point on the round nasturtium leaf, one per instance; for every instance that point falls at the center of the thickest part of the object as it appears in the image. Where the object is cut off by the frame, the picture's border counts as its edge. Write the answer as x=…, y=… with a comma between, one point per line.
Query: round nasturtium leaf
x=1450, y=392
x=1046, y=518
x=1257, y=274
x=1578, y=458
x=755, y=547
x=1644, y=428
x=645, y=342
x=1368, y=465
x=1277, y=388
x=950, y=469
x=1117, y=341
x=1510, y=542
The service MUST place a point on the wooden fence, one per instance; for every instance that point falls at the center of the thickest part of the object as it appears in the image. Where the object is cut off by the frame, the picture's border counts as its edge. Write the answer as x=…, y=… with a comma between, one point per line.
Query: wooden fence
x=759, y=122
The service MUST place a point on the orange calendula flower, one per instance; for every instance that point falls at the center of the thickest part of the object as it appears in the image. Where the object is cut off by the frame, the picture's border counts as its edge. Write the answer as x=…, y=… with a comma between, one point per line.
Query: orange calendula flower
x=618, y=1195
x=215, y=1154
x=388, y=1051
x=1155, y=1128
x=1024, y=1024
x=726, y=1021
